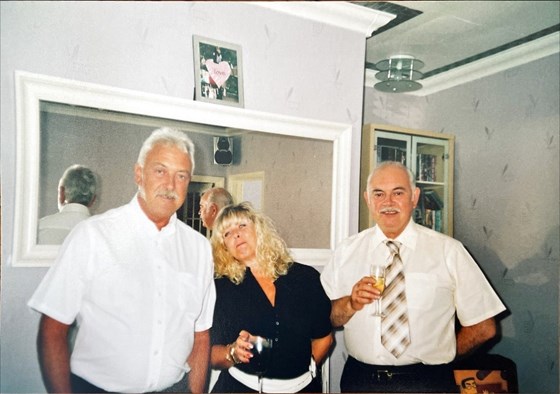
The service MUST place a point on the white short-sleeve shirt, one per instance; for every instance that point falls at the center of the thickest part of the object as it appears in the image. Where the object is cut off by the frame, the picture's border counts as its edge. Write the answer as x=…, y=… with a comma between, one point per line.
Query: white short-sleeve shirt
x=138, y=295
x=441, y=279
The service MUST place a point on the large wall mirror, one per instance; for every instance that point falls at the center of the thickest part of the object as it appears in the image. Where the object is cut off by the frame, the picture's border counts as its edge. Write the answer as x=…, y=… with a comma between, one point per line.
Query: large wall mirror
x=300, y=166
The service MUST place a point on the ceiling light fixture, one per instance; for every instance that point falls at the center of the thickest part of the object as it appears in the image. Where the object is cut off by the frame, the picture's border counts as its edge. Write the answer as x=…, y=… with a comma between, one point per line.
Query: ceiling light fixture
x=398, y=74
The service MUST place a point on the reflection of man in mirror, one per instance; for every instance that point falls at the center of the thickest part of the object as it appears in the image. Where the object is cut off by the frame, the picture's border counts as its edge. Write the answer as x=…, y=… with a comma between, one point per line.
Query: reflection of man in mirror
x=76, y=194
x=139, y=282
x=211, y=202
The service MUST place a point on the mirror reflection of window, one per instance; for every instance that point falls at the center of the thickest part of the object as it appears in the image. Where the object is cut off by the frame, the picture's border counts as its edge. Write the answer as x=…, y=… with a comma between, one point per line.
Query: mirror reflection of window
x=188, y=213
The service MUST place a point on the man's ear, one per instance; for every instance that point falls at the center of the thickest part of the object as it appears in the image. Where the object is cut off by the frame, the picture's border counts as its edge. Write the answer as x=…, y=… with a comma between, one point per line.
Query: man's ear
x=138, y=174
x=366, y=199
x=61, y=195
x=415, y=196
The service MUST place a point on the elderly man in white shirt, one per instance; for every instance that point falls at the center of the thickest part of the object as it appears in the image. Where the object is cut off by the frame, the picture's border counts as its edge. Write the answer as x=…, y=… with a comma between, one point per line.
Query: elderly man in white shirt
x=441, y=282
x=139, y=283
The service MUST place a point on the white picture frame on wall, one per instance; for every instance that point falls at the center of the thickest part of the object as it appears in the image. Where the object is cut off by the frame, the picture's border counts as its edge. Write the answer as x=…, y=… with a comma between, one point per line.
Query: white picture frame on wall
x=218, y=71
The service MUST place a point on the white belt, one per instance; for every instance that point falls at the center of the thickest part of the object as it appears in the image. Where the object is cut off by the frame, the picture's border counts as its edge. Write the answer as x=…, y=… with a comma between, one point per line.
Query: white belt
x=274, y=385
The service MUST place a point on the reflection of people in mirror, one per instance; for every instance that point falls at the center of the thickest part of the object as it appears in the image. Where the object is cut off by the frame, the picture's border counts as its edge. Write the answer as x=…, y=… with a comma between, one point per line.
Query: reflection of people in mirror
x=211, y=202
x=139, y=283
x=76, y=195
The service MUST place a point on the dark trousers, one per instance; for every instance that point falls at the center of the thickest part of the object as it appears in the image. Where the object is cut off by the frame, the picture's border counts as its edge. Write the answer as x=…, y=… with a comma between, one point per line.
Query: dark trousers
x=80, y=385
x=358, y=377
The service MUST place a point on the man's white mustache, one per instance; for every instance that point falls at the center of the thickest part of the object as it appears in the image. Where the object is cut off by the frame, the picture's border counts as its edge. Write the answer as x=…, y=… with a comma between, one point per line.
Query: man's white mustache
x=168, y=194
x=389, y=210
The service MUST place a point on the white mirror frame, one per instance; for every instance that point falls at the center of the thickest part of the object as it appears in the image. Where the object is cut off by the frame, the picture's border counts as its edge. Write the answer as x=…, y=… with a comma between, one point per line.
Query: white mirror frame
x=31, y=89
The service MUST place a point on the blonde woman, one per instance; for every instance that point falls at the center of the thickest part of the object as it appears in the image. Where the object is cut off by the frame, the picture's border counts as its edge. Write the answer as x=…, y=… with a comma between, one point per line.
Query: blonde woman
x=261, y=291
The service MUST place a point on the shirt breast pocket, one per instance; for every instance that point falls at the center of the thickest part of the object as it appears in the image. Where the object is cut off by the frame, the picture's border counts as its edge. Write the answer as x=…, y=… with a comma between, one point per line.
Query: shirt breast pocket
x=420, y=290
x=185, y=292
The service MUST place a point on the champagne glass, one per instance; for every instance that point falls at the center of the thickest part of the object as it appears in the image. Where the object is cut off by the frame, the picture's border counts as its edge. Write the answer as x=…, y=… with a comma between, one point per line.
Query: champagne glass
x=262, y=349
x=377, y=272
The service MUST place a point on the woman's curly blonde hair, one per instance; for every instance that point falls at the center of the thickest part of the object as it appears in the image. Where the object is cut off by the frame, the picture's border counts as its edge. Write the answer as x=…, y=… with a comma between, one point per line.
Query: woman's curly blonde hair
x=272, y=252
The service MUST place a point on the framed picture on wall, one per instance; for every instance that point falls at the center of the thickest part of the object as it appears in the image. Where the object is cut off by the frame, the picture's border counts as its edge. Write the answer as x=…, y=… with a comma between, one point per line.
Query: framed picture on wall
x=218, y=72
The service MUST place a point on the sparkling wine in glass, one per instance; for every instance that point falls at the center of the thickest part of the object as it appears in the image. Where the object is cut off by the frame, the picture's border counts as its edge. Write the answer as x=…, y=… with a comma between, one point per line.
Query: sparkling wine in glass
x=262, y=350
x=377, y=272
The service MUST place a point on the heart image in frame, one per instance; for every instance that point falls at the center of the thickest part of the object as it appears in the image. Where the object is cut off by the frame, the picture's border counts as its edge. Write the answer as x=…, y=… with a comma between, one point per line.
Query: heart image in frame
x=219, y=73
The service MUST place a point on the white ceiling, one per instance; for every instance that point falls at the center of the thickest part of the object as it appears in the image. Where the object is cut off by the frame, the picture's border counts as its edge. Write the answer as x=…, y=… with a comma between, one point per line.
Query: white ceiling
x=460, y=36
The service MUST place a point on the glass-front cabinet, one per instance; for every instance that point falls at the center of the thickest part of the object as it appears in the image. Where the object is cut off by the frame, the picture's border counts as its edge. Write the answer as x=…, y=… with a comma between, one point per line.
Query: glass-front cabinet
x=429, y=155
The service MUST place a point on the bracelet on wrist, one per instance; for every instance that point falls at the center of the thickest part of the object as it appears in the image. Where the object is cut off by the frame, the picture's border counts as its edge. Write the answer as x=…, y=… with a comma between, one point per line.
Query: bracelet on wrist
x=230, y=354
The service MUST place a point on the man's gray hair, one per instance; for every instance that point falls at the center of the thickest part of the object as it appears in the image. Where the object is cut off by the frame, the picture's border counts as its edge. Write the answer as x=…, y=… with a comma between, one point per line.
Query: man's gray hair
x=170, y=137
x=219, y=196
x=79, y=184
x=398, y=164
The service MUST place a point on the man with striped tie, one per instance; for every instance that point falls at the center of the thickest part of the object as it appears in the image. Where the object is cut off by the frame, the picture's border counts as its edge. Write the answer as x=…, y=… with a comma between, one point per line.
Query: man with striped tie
x=430, y=280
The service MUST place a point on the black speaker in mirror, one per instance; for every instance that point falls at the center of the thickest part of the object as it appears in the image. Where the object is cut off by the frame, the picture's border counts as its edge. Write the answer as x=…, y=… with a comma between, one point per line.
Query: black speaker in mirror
x=223, y=151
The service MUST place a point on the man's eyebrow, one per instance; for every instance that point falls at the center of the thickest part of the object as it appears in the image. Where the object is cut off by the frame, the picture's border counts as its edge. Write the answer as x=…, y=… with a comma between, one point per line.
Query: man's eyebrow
x=377, y=189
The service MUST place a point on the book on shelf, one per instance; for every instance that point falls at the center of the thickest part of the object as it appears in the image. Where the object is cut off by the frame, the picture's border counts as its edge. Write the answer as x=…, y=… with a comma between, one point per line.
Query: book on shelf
x=432, y=218
x=432, y=200
x=391, y=153
x=426, y=167
x=438, y=221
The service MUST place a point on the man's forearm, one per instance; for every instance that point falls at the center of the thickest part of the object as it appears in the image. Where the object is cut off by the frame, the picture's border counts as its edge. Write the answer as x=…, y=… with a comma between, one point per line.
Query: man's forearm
x=198, y=361
x=341, y=311
x=54, y=355
x=471, y=337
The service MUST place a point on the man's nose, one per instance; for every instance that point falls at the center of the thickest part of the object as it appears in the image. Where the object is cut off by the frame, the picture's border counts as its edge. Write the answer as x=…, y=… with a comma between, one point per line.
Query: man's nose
x=170, y=182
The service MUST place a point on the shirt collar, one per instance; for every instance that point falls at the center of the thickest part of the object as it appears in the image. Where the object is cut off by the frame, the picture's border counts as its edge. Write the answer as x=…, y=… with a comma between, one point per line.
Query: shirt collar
x=147, y=225
x=407, y=238
x=75, y=207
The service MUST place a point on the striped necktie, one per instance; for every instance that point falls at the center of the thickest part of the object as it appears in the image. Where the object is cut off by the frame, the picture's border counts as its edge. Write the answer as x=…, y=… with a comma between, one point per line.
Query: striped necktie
x=394, y=325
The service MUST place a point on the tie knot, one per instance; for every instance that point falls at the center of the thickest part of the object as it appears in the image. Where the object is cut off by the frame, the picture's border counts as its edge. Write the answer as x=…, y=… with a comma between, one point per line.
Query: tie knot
x=393, y=246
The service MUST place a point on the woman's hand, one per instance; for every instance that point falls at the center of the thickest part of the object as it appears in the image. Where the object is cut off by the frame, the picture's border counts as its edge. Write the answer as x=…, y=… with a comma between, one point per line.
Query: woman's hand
x=242, y=347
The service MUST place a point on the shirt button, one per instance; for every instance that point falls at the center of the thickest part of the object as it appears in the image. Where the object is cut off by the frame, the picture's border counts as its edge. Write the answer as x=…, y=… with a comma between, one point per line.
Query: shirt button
x=277, y=323
x=275, y=339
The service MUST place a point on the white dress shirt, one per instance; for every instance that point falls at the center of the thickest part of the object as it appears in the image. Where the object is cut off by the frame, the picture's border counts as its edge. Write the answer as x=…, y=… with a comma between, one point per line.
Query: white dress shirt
x=441, y=279
x=54, y=228
x=138, y=295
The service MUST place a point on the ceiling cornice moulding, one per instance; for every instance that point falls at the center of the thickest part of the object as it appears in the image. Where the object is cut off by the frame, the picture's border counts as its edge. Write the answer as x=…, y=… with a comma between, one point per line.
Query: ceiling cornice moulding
x=337, y=13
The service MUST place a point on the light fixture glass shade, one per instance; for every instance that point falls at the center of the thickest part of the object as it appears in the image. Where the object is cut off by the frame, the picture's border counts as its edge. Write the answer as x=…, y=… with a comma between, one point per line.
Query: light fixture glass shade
x=399, y=74
x=397, y=86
